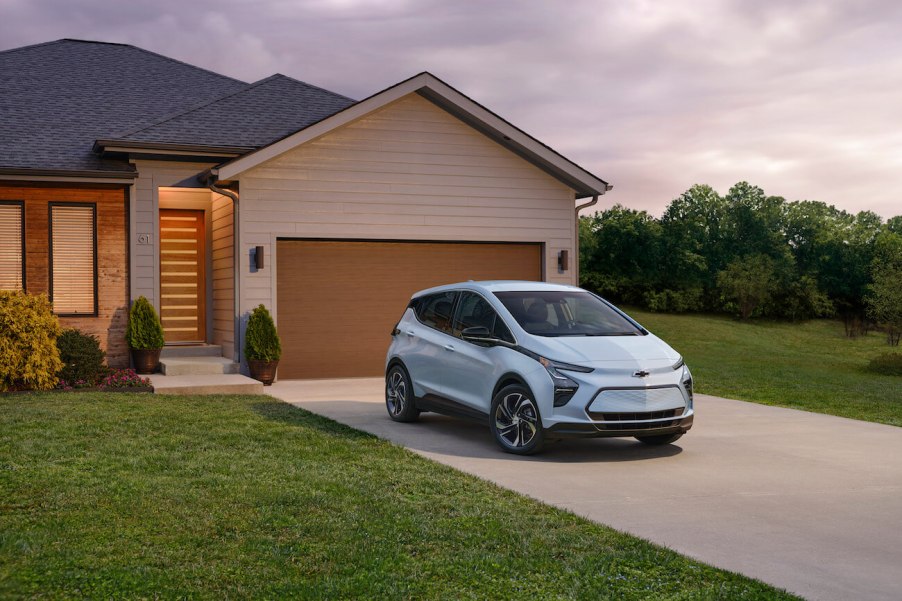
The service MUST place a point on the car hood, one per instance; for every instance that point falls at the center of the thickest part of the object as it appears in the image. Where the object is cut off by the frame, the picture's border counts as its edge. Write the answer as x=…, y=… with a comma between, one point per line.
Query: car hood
x=599, y=351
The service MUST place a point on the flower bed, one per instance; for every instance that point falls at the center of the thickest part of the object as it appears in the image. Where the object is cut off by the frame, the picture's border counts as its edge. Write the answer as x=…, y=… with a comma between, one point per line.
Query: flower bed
x=118, y=380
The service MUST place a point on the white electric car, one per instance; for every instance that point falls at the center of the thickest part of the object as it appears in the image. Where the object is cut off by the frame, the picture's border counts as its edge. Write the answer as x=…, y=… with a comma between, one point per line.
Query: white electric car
x=537, y=362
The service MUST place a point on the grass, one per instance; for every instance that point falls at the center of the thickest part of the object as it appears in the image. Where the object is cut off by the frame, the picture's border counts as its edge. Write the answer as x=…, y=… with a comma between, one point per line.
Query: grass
x=811, y=366
x=140, y=496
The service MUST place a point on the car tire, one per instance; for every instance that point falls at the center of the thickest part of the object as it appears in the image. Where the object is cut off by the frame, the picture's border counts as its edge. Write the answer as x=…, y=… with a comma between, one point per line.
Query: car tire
x=399, y=400
x=660, y=439
x=515, y=421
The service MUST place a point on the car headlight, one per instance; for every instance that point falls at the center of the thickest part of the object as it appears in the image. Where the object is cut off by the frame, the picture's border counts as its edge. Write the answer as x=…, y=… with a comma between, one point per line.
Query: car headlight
x=564, y=387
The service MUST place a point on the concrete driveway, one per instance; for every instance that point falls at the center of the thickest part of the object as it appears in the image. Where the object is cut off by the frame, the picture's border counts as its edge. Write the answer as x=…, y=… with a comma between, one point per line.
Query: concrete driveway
x=810, y=503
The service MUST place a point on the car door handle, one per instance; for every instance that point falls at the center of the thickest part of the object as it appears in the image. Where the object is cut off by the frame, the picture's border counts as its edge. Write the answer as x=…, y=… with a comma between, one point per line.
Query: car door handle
x=410, y=333
x=449, y=347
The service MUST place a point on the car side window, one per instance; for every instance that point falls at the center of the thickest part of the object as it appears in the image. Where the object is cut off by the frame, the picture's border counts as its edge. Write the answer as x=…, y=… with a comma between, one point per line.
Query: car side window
x=473, y=311
x=435, y=310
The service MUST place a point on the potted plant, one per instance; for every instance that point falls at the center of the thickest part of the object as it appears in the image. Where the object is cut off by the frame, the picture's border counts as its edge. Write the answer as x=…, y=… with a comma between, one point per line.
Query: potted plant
x=144, y=336
x=262, y=348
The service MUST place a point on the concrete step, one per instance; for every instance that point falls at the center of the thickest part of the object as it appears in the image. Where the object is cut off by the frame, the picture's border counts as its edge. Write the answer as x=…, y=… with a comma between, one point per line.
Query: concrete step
x=192, y=350
x=197, y=366
x=205, y=384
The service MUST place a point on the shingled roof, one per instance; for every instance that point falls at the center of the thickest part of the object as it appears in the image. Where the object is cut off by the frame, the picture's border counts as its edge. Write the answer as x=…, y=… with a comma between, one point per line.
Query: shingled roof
x=58, y=98
x=250, y=118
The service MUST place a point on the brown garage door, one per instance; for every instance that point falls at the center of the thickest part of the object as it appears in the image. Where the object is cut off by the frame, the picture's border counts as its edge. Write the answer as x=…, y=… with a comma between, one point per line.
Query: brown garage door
x=338, y=301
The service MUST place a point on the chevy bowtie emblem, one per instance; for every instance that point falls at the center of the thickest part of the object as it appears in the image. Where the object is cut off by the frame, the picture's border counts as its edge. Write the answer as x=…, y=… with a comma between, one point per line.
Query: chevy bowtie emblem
x=641, y=374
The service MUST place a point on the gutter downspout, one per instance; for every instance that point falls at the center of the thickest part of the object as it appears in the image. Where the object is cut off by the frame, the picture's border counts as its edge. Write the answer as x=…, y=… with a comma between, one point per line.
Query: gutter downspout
x=579, y=208
x=210, y=180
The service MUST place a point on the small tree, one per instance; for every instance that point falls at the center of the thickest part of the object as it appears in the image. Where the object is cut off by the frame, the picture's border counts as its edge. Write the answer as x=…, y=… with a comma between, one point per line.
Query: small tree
x=29, y=358
x=261, y=341
x=749, y=282
x=884, y=301
x=144, y=330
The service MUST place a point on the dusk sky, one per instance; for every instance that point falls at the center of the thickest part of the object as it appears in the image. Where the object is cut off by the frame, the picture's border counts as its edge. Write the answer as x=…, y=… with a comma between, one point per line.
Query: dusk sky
x=801, y=98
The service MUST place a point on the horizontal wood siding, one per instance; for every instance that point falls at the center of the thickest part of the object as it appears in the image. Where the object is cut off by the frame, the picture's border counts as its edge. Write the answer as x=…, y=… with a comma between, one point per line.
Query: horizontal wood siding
x=409, y=171
x=112, y=252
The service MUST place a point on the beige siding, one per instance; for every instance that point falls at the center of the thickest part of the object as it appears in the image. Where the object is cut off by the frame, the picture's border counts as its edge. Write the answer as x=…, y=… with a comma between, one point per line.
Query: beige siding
x=223, y=275
x=409, y=171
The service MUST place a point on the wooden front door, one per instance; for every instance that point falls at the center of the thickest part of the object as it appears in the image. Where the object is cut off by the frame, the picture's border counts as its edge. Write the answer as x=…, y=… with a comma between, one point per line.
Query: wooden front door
x=182, y=282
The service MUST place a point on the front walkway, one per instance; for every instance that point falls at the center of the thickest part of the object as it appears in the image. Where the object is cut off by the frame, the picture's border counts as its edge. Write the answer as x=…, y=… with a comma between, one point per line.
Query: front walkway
x=807, y=502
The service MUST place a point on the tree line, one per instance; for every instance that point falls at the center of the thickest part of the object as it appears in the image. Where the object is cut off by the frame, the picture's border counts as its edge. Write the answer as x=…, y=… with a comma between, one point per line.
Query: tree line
x=749, y=254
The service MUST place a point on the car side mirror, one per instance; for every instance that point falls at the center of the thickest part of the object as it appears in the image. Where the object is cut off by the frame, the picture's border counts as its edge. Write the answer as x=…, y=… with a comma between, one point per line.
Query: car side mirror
x=479, y=334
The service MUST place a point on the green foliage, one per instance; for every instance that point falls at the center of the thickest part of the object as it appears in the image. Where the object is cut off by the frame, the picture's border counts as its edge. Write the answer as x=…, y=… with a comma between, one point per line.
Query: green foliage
x=261, y=341
x=821, y=259
x=884, y=301
x=144, y=330
x=747, y=283
x=82, y=358
x=29, y=358
x=887, y=364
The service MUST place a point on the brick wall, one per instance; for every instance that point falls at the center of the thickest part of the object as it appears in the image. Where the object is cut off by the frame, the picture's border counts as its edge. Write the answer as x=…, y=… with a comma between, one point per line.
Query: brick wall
x=112, y=255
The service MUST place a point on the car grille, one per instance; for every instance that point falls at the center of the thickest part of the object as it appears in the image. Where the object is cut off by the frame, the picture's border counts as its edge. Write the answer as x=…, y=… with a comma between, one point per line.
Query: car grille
x=631, y=417
x=637, y=404
x=638, y=421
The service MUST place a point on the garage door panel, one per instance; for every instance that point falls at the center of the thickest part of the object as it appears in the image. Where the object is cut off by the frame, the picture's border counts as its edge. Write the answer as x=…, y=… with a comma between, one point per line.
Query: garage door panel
x=338, y=300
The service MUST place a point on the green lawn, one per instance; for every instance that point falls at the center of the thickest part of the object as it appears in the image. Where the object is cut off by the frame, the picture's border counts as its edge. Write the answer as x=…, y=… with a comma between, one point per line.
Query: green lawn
x=138, y=496
x=810, y=366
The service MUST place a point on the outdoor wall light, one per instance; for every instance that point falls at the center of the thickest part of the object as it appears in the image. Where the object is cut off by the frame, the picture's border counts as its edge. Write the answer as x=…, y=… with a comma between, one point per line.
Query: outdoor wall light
x=563, y=260
x=258, y=257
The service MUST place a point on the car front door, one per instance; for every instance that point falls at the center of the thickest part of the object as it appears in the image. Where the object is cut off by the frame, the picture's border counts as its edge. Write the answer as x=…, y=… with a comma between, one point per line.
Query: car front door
x=471, y=369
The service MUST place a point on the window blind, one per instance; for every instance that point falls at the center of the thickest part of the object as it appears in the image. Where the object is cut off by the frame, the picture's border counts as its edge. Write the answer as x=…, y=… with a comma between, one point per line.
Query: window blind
x=73, y=273
x=11, y=236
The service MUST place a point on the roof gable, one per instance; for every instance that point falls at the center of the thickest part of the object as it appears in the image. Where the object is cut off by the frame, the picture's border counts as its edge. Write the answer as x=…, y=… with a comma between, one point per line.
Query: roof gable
x=430, y=87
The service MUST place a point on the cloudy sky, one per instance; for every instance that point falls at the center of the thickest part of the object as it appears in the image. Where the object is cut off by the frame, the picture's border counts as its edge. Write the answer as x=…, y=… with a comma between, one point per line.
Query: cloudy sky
x=801, y=98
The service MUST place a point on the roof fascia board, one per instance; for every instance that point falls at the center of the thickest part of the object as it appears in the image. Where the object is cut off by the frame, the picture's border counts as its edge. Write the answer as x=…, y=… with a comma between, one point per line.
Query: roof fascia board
x=52, y=175
x=164, y=148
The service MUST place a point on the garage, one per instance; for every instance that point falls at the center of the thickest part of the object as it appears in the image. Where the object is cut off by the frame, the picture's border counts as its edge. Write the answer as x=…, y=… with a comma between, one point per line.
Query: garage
x=338, y=300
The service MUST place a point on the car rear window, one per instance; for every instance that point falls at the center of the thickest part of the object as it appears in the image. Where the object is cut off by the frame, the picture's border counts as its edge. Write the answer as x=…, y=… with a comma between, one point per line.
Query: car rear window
x=566, y=313
x=434, y=310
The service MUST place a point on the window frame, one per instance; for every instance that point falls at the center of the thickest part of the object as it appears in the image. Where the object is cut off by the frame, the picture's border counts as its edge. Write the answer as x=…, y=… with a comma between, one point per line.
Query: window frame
x=21, y=205
x=93, y=207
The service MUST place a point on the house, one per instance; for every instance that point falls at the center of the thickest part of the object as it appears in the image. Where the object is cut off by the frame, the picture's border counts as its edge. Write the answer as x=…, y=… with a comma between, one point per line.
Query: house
x=126, y=173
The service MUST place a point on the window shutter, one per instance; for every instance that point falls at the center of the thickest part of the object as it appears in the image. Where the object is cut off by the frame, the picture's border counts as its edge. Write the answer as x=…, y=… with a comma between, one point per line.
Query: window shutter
x=73, y=274
x=11, y=237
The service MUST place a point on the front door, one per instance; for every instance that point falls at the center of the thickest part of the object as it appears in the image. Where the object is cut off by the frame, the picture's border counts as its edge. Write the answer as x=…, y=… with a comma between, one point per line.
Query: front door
x=182, y=282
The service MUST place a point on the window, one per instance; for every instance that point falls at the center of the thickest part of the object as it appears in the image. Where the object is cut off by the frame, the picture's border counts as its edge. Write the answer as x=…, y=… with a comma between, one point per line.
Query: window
x=12, y=245
x=73, y=258
x=566, y=313
x=474, y=311
x=435, y=310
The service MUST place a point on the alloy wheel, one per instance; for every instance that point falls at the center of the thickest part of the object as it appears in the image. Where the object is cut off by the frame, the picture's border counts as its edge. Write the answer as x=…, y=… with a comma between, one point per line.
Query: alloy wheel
x=516, y=420
x=396, y=392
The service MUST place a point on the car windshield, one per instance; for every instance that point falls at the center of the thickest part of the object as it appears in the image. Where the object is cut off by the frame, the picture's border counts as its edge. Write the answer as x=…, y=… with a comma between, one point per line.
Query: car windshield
x=566, y=313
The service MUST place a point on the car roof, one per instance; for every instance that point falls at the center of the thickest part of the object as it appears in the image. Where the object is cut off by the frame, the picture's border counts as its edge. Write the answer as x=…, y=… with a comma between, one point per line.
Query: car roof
x=489, y=286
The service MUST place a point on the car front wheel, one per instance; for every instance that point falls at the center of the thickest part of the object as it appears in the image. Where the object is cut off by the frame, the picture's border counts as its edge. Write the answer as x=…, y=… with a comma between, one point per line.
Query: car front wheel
x=399, y=396
x=515, y=421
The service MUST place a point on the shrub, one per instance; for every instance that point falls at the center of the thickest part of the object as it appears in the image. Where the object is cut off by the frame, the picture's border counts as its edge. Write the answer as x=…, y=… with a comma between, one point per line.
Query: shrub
x=144, y=330
x=124, y=378
x=82, y=357
x=29, y=358
x=261, y=341
x=888, y=364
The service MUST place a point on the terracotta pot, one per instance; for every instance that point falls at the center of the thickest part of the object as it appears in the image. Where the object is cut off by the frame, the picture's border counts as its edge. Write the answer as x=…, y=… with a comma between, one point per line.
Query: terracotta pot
x=146, y=360
x=265, y=371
